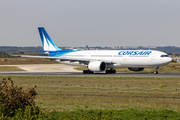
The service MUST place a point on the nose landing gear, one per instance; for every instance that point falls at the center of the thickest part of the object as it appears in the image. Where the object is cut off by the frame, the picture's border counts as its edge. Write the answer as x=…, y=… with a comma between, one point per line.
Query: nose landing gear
x=156, y=70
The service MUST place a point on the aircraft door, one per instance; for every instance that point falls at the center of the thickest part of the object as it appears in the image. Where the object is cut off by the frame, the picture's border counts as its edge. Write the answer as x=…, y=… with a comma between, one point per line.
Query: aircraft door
x=87, y=55
x=152, y=57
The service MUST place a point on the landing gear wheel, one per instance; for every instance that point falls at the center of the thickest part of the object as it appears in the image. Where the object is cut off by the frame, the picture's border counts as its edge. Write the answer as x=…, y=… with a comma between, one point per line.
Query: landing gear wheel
x=156, y=70
x=114, y=71
x=110, y=71
x=88, y=72
x=84, y=71
x=107, y=71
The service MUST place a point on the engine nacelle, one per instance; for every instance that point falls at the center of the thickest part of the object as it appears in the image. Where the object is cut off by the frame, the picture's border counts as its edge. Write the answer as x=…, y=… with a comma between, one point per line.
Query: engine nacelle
x=97, y=66
x=136, y=69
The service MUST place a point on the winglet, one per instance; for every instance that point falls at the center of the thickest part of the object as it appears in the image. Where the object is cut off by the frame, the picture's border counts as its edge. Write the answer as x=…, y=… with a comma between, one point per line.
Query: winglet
x=47, y=42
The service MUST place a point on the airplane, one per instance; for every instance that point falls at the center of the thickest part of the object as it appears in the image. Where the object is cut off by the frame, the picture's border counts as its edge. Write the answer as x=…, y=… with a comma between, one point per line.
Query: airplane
x=102, y=60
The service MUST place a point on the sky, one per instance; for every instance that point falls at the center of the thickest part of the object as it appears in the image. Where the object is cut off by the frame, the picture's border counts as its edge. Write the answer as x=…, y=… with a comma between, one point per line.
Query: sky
x=78, y=23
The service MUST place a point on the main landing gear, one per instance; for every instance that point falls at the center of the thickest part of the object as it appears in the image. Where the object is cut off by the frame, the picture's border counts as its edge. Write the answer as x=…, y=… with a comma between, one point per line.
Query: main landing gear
x=88, y=72
x=110, y=71
x=156, y=70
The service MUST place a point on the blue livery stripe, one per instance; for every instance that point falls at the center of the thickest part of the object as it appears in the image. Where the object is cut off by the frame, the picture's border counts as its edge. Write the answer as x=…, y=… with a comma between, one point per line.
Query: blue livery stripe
x=46, y=39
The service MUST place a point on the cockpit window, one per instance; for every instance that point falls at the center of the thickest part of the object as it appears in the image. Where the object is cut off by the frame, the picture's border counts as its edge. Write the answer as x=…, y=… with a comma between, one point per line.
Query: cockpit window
x=164, y=55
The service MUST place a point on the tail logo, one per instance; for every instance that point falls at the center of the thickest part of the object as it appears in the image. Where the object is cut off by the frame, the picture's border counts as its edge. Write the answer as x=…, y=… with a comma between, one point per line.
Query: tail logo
x=47, y=43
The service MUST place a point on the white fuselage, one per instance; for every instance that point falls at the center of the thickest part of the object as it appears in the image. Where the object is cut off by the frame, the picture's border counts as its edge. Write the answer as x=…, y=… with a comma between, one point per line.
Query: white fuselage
x=121, y=58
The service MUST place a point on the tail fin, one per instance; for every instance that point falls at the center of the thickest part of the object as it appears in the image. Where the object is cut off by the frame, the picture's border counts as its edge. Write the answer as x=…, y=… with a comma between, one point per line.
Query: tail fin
x=47, y=43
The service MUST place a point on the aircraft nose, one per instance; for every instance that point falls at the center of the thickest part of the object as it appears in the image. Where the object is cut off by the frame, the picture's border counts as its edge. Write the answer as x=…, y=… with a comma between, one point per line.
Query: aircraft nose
x=169, y=60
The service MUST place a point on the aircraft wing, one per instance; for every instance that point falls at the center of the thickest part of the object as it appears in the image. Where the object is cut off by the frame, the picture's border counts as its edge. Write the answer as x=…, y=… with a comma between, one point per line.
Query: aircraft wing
x=64, y=58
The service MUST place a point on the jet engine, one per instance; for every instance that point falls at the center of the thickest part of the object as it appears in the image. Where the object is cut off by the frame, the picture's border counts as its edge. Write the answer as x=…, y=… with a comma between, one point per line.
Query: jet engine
x=135, y=69
x=97, y=66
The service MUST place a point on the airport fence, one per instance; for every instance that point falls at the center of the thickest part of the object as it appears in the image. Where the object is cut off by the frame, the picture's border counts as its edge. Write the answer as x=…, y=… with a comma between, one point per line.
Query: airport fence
x=98, y=89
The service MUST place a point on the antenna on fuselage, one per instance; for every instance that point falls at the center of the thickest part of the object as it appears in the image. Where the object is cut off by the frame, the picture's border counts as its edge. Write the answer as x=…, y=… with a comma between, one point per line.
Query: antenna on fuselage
x=87, y=47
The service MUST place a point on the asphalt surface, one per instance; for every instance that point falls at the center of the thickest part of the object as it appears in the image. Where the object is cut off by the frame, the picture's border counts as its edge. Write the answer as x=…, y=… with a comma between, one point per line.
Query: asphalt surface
x=80, y=74
x=65, y=70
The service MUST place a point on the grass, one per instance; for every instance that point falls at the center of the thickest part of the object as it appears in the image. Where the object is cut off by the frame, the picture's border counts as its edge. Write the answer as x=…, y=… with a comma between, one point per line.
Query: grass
x=70, y=97
x=131, y=114
x=170, y=68
x=16, y=61
x=9, y=68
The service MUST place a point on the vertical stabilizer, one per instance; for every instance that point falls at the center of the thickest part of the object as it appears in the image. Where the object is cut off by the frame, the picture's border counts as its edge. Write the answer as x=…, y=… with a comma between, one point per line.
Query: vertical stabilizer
x=47, y=43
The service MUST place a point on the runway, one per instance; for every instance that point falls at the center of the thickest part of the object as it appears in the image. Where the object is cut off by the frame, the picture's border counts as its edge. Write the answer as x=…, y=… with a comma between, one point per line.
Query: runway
x=80, y=74
x=65, y=70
